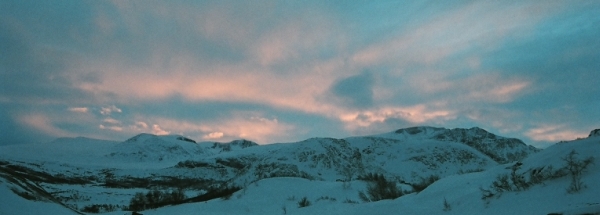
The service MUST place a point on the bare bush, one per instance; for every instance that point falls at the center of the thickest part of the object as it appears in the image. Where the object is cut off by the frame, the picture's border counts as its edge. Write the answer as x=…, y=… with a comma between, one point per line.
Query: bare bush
x=380, y=188
x=576, y=168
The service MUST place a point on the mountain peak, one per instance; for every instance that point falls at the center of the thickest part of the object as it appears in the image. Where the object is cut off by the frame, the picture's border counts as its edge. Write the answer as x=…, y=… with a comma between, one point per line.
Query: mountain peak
x=478, y=129
x=145, y=136
x=140, y=137
x=418, y=129
x=595, y=133
x=500, y=149
x=235, y=143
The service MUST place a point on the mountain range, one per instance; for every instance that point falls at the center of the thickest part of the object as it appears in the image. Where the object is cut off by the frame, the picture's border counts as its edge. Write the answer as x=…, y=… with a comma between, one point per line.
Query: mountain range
x=456, y=166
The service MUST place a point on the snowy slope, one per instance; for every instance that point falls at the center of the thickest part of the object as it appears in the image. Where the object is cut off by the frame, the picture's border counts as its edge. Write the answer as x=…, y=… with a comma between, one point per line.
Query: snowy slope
x=21, y=196
x=11, y=203
x=461, y=191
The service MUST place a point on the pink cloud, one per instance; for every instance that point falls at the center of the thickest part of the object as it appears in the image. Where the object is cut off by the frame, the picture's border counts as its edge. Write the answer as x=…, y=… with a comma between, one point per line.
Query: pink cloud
x=240, y=125
x=43, y=124
x=175, y=72
x=418, y=114
x=213, y=135
x=227, y=83
x=111, y=121
x=79, y=109
x=492, y=88
x=157, y=130
x=110, y=109
x=112, y=128
x=496, y=118
x=142, y=125
x=138, y=127
x=301, y=87
x=240, y=83
x=553, y=133
x=487, y=87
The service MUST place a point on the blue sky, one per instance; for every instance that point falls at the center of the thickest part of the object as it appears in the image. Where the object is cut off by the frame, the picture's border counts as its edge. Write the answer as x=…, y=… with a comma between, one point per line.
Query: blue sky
x=282, y=71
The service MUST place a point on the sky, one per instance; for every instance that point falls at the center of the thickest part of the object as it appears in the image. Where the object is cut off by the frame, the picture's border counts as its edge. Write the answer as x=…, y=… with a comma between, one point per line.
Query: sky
x=285, y=71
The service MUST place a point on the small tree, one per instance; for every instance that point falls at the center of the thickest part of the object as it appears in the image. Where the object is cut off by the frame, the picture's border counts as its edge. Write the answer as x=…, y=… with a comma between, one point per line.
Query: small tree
x=348, y=173
x=576, y=168
x=447, y=206
x=518, y=180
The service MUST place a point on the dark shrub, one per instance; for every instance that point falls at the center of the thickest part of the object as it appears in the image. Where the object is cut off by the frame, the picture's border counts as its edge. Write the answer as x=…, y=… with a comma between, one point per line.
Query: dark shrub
x=303, y=202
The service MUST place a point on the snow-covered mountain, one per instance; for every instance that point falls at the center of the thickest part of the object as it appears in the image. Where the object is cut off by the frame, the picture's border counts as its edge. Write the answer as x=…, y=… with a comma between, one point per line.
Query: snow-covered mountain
x=500, y=149
x=149, y=148
x=82, y=172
